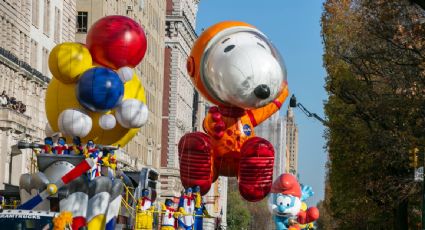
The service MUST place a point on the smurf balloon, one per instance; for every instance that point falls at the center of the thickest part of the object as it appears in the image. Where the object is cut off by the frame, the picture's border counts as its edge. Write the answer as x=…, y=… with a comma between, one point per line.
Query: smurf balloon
x=286, y=203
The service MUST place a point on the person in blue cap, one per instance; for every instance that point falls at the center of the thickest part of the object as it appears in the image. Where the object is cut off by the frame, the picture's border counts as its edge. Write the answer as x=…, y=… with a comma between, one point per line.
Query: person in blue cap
x=48, y=146
x=61, y=148
x=200, y=209
x=145, y=211
x=77, y=148
x=169, y=215
x=187, y=209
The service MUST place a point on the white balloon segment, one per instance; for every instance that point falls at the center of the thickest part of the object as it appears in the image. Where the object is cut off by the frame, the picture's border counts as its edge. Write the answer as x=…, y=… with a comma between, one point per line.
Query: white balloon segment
x=125, y=74
x=107, y=121
x=73, y=122
x=132, y=113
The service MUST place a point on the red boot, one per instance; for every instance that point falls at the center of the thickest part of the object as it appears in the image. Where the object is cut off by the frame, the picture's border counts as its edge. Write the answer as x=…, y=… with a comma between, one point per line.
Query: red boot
x=195, y=157
x=256, y=169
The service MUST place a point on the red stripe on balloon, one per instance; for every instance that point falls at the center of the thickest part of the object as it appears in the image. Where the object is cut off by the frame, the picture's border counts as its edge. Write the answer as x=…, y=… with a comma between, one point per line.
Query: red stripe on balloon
x=277, y=103
x=78, y=222
x=251, y=117
x=81, y=168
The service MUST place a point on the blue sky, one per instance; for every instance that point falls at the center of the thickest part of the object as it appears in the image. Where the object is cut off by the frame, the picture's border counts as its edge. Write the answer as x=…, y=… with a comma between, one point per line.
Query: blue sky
x=294, y=28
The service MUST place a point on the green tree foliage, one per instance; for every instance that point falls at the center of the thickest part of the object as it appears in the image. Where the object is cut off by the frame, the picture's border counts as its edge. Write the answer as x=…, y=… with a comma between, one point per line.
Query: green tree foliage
x=238, y=215
x=242, y=214
x=374, y=56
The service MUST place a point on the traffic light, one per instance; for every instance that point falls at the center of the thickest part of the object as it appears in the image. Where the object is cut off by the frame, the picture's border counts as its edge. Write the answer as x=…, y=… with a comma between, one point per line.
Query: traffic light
x=413, y=157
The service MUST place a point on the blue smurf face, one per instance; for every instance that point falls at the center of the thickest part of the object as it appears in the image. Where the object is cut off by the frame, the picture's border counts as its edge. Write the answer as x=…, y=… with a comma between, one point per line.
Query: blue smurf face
x=76, y=140
x=287, y=204
x=90, y=144
x=48, y=141
x=169, y=203
x=145, y=192
x=197, y=188
x=188, y=190
x=61, y=141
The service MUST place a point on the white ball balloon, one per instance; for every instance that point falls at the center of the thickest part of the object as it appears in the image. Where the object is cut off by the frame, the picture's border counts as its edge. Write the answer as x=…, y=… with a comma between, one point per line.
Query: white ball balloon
x=132, y=113
x=74, y=122
x=125, y=74
x=107, y=121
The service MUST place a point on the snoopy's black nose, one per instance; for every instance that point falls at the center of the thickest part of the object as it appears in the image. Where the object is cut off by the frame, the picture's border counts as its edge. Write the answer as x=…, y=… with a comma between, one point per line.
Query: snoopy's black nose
x=262, y=91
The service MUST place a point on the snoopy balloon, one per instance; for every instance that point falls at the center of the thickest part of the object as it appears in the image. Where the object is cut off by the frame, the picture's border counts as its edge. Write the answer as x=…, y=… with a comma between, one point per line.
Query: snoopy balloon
x=235, y=67
x=286, y=203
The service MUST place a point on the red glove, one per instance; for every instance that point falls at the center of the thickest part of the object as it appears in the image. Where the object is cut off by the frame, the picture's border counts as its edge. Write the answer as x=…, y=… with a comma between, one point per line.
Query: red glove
x=305, y=217
x=214, y=124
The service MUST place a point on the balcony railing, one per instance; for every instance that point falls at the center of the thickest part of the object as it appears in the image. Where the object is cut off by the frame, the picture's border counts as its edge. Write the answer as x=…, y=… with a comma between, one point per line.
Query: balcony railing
x=11, y=57
x=13, y=119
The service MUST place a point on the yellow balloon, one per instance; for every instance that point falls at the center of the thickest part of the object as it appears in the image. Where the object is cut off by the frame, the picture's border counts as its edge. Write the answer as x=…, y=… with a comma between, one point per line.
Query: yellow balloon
x=68, y=60
x=60, y=96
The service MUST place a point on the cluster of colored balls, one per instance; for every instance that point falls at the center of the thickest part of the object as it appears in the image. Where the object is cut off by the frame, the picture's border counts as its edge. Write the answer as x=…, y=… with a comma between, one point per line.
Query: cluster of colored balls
x=95, y=93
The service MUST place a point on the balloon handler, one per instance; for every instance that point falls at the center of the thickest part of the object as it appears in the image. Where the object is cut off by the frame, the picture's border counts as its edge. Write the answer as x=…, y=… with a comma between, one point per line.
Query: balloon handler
x=91, y=151
x=235, y=67
x=200, y=209
x=61, y=148
x=77, y=148
x=145, y=211
x=169, y=215
x=286, y=203
x=109, y=163
x=187, y=209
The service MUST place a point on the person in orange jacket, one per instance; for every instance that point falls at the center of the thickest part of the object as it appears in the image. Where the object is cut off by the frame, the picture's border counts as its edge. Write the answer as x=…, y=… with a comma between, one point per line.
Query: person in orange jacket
x=235, y=67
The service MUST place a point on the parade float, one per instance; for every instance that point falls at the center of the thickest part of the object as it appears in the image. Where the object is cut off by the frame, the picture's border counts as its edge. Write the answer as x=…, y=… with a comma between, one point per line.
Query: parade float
x=96, y=103
x=234, y=66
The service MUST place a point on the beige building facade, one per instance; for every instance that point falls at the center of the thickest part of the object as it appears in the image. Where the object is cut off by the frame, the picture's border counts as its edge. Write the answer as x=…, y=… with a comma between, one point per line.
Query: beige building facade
x=178, y=98
x=291, y=143
x=29, y=29
x=274, y=130
x=145, y=148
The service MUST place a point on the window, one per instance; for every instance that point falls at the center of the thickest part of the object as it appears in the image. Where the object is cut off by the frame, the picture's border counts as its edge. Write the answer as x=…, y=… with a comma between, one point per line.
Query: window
x=33, y=59
x=149, y=157
x=21, y=45
x=35, y=11
x=57, y=25
x=82, y=22
x=45, y=60
x=46, y=25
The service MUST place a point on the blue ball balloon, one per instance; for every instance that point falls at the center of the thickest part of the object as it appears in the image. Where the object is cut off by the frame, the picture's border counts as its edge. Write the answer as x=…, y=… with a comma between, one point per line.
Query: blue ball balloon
x=100, y=89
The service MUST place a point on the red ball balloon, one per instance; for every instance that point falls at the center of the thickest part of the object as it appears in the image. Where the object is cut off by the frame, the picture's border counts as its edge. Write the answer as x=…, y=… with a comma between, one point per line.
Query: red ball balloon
x=117, y=41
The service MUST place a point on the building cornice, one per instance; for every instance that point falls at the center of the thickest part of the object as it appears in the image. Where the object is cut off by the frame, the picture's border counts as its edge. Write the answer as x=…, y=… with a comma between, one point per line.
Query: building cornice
x=20, y=66
x=185, y=21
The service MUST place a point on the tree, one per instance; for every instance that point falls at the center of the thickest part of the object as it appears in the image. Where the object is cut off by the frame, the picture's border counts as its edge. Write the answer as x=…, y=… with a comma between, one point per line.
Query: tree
x=374, y=56
x=242, y=214
x=238, y=216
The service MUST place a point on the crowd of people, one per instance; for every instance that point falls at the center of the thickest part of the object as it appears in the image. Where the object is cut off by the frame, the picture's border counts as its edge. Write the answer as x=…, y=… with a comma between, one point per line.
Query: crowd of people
x=12, y=103
x=188, y=215
x=101, y=156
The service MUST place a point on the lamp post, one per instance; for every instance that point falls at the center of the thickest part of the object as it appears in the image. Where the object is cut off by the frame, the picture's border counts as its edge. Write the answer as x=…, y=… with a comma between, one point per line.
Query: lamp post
x=293, y=104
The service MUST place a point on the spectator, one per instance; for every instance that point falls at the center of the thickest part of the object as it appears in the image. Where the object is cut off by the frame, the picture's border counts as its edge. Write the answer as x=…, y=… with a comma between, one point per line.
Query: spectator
x=12, y=103
x=3, y=99
x=22, y=108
